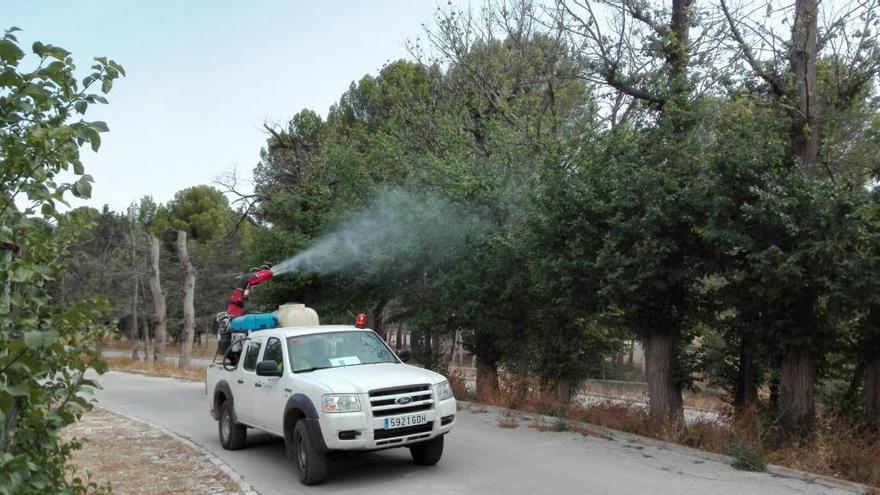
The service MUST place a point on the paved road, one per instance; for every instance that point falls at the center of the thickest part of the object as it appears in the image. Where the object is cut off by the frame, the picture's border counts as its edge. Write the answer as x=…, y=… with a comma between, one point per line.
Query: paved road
x=480, y=457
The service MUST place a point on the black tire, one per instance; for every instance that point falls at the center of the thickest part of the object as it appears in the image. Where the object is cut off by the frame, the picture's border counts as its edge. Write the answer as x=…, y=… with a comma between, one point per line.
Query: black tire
x=311, y=465
x=232, y=434
x=427, y=453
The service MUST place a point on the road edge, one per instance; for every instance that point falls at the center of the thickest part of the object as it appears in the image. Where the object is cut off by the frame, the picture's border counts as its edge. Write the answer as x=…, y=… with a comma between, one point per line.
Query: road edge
x=771, y=469
x=246, y=488
x=146, y=373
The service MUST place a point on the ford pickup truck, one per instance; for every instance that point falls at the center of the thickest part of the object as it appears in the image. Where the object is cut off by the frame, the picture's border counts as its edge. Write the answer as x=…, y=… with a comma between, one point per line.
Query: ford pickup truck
x=326, y=389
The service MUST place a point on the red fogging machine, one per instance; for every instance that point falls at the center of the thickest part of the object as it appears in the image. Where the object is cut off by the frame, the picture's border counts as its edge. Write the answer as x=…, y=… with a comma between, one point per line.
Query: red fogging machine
x=232, y=322
x=246, y=281
x=233, y=325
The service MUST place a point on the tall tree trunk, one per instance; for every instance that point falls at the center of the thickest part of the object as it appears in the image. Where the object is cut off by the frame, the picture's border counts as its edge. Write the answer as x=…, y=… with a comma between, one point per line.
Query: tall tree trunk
x=145, y=336
x=747, y=376
x=189, y=289
x=664, y=393
x=487, y=379
x=803, y=58
x=677, y=52
x=872, y=390
x=797, y=407
x=563, y=390
x=677, y=61
x=632, y=350
x=133, y=329
x=158, y=302
x=379, y=319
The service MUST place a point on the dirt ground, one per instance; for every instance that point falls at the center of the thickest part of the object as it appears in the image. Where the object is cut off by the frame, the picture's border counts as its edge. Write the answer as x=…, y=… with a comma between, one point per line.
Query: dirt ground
x=138, y=459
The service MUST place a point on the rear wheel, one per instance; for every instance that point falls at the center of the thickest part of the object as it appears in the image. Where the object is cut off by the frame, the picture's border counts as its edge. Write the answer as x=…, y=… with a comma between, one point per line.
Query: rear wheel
x=427, y=453
x=232, y=434
x=311, y=464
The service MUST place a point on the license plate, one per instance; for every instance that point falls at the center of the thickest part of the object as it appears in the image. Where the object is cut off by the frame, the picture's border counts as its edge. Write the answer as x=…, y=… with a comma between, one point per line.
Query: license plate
x=404, y=421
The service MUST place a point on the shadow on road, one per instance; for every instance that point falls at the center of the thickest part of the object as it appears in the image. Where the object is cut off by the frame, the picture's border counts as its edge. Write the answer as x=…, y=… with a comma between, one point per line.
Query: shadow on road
x=345, y=467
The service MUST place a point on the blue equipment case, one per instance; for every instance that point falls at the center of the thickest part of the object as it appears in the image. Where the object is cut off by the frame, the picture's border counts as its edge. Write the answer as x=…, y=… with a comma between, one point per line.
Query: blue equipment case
x=251, y=322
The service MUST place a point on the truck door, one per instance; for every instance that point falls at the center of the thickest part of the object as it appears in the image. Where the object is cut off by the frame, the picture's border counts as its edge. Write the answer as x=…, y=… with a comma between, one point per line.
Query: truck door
x=271, y=398
x=248, y=383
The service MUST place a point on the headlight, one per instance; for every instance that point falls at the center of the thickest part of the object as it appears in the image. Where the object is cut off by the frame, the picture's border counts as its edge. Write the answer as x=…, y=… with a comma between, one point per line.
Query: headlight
x=341, y=403
x=443, y=390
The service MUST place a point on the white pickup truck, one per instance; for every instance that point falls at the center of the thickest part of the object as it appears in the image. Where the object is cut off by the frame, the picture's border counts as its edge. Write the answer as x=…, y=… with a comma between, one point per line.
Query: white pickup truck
x=329, y=388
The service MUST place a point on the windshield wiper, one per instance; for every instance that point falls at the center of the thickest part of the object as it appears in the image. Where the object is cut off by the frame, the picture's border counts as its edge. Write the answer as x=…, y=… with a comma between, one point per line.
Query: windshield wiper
x=374, y=362
x=313, y=368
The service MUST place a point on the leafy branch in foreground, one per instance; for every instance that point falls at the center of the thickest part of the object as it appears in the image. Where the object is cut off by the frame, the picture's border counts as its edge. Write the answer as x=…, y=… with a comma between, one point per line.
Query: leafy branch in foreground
x=45, y=347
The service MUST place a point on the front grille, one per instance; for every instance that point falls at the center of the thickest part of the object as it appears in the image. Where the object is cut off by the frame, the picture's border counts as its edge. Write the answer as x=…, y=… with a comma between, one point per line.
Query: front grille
x=398, y=390
x=402, y=432
x=384, y=402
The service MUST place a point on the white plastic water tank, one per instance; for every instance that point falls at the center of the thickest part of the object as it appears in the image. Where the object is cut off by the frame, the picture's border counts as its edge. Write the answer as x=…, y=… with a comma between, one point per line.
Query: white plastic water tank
x=296, y=315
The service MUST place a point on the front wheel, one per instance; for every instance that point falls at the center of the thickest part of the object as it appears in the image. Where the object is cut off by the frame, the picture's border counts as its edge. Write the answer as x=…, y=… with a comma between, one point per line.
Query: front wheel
x=232, y=434
x=427, y=453
x=310, y=463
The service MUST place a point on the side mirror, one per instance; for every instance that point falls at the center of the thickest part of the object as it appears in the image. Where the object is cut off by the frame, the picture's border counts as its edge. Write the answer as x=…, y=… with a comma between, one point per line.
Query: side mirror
x=403, y=355
x=268, y=368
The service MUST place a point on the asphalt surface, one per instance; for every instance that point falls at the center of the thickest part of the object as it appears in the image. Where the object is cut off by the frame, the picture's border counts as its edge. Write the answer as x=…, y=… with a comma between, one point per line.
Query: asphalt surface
x=480, y=457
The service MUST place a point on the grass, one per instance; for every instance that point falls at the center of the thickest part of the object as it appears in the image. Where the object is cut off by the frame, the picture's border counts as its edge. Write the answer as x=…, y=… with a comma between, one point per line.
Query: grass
x=171, y=348
x=156, y=369
x=838, y=448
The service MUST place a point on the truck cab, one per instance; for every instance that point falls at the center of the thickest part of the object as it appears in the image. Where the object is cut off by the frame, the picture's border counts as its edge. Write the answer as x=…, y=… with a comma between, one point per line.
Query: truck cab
x=326, y=389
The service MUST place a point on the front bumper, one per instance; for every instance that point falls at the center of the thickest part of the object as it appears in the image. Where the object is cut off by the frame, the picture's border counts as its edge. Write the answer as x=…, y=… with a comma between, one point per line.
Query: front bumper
x=359, y=430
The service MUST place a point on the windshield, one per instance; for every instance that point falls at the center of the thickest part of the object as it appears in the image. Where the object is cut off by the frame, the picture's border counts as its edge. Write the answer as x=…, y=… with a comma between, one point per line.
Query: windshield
x=330, y=350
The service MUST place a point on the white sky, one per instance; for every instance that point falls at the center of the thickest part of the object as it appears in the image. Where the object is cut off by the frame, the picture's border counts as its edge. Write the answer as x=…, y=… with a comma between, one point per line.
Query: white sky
x=203, y=76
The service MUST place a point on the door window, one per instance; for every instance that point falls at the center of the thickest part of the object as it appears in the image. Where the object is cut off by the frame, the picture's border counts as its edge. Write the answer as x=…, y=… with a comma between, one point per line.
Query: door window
x=250, y=358
x=274, y=353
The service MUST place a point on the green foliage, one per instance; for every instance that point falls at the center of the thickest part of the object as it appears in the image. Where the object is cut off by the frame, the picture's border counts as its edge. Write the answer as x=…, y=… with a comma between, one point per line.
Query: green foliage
x=746, y=457
x=441, y=137
x=45, y=346
x=201, y=211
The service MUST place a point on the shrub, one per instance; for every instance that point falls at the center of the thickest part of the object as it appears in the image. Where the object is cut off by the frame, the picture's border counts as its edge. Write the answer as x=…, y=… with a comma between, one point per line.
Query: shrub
x=746, y=457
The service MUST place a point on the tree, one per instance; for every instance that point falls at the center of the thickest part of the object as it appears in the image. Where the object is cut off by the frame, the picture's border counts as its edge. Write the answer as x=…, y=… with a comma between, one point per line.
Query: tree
x=864, y=294
x=133, y=236
x=786, y=71
x=189, y=286
x=512, y=90
x=142, y=218
x=200, y=213
x=159, y=308
x=746, y=163
x=45, y=347
x=644, y=55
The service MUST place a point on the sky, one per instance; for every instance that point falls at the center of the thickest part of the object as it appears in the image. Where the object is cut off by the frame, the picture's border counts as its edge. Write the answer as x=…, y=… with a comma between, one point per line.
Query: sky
x=203, y=76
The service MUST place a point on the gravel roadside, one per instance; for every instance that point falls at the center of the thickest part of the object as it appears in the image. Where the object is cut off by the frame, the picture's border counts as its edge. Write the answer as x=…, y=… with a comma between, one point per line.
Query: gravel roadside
x=136, y=458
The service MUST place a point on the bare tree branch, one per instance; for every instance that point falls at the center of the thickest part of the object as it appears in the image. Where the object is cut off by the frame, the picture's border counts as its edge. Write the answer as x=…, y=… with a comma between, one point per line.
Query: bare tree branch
x=771, y=79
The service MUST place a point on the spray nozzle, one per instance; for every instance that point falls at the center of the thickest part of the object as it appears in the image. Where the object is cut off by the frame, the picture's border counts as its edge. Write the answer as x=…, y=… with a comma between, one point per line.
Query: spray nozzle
x=265, y=266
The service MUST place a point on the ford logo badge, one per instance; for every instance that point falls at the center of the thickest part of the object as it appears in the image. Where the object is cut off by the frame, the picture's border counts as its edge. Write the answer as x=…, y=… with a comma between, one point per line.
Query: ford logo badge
x=403, y=400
